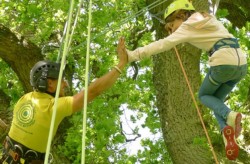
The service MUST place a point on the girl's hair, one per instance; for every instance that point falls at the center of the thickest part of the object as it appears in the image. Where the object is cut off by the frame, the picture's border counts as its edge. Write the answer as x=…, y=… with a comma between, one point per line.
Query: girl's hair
x=180, y=14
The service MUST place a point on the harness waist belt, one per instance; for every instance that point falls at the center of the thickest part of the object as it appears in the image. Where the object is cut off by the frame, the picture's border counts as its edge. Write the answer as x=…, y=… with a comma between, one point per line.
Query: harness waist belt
x=224, y=43
x=21, y=153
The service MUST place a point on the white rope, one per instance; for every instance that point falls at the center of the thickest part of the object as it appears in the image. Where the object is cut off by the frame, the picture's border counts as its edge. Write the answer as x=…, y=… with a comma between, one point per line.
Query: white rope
x=62, y=39
x=216, y=6
x=72, y=32
x=58, y=85
x=86, y=84
x=213, y=8
x=75, y=22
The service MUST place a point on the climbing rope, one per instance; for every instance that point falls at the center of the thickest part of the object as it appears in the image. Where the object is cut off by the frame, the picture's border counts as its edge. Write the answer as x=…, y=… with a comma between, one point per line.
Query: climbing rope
x=213, y=8
x=196, y=105
x=63, y=61
x=86, y=84
x=216, y=6
x=72, y=32
x=74, y=25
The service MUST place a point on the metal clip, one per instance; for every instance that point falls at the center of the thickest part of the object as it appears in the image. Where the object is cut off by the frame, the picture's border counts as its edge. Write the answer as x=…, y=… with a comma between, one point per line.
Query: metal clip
x=31, y=153
x=17, y=149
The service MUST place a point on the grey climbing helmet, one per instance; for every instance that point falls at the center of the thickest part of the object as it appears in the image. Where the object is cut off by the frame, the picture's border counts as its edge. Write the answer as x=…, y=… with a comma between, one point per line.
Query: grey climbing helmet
x=41, y=71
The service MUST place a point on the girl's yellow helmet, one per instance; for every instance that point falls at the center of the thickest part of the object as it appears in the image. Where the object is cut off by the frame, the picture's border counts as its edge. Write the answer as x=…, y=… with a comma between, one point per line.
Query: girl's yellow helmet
x=177, y=5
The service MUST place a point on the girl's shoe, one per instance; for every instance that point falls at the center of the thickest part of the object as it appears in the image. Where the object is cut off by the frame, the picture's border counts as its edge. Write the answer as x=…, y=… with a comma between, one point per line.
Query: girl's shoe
x=231, y=147
x=234, y=120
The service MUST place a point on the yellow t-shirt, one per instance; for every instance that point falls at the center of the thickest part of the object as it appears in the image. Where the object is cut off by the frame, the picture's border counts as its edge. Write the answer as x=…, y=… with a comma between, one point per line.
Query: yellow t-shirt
x=32, y=116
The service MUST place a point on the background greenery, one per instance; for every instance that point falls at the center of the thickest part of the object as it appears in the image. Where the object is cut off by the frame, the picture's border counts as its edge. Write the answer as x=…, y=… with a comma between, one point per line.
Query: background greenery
x=108, y=135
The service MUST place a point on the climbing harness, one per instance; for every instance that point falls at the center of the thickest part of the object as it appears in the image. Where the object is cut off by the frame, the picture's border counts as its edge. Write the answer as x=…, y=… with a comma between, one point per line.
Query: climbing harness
x=224, y=43
x=17, y=153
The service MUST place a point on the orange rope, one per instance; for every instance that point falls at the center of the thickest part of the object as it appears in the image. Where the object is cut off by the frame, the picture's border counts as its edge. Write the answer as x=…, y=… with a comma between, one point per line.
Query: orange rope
x=198, y=111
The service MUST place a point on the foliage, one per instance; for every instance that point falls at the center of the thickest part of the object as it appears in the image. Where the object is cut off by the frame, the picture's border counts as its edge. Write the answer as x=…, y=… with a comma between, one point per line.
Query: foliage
x=43, y=22
x=9, y=82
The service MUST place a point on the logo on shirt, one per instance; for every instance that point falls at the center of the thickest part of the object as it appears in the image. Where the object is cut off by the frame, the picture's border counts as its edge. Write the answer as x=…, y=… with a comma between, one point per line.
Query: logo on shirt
x=25, y=114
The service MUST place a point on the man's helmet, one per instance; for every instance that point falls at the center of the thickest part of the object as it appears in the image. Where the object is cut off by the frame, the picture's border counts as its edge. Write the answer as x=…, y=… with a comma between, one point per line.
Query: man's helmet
x=41, y=71
x=177, y=5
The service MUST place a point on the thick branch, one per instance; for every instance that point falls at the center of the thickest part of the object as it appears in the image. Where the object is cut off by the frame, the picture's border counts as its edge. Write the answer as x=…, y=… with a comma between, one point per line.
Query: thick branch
x=19, y=54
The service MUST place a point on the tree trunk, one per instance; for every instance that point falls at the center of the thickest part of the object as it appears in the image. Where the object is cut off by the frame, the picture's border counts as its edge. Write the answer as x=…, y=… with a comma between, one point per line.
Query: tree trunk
x=182, y=130
x=19, y=54
x=5, y=115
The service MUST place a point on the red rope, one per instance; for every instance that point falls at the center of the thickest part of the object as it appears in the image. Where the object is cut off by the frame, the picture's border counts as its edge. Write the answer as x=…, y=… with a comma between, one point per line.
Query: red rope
x=196, y=105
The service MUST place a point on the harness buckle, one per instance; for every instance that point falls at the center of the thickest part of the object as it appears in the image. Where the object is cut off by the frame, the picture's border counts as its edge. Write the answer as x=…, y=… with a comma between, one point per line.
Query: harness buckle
x=15, y=156
x=16, y=153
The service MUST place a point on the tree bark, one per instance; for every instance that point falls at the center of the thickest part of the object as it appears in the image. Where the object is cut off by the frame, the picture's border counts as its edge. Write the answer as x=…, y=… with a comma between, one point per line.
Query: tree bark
x=5, y=114
x=180, y=123
x=20, y=54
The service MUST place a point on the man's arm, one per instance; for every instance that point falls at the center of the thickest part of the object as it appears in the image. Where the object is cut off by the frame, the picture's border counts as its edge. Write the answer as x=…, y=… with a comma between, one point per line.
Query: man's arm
x=105, y=82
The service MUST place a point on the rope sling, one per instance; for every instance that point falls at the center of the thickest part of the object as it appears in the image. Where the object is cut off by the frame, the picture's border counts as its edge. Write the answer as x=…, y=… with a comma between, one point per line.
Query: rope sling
x=66, y=39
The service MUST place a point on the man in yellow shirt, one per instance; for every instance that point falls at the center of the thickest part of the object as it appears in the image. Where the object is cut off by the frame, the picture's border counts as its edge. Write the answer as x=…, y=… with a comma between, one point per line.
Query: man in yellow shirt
x=28, y=135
